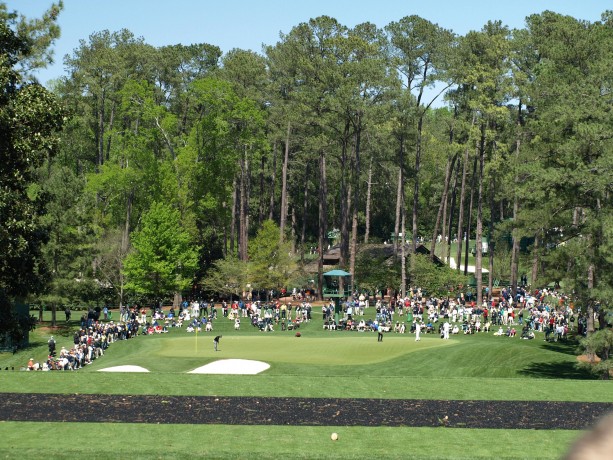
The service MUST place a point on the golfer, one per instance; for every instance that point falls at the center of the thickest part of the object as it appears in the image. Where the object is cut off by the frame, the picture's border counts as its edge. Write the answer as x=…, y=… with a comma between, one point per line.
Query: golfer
x=216, y=341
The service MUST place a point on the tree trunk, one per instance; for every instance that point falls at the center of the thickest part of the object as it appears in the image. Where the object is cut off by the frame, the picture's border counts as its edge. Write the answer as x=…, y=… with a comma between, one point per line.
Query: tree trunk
x=284, y=206
x=451, y=213
x=345, y=204
x=262, y=194
x=515, y=249
x=225, y=233
x=515, y=232
x=397, y=228
x=442, y=205
x=416, y=189
x=461, y=211
x=490, y=231
x=403, y=255
x=102, y=103
x=591, y=269
x=461, y=235
x=244, y=208
x=444, y=237
x=53, y=314
x=368, y=193
x=356, y=195
x=323, y=212
x=444, y=234
x=273, y=178
x=399, y=195
x=354, y=242
x=479, y=231
x=535, y=260
x=125, y=244
x=233, y=232
x=293, y=245
x=108, y=141
x=470, y=213
x=305, y=208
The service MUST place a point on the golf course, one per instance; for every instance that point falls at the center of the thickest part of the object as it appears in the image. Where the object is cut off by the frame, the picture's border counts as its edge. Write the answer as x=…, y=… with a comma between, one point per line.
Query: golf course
x=319, y=364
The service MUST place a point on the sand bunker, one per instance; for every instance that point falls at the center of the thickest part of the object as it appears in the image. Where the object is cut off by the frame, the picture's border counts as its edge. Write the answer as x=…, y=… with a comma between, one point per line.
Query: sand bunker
x=232, y=366
x=126, y=368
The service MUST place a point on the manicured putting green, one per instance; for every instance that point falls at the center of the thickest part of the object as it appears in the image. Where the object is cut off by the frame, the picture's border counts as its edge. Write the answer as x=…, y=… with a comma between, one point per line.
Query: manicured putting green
x=361, y=350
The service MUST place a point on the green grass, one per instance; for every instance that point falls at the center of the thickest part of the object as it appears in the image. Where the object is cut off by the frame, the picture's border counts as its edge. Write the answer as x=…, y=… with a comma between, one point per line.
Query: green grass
x=136, y=441
x=317, y=364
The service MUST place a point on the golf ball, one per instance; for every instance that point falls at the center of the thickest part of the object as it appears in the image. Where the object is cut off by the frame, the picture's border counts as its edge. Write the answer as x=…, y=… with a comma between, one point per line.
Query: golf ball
x=334, y=436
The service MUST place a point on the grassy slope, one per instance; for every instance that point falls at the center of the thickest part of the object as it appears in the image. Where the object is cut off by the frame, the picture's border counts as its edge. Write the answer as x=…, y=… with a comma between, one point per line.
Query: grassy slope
x=318, y=364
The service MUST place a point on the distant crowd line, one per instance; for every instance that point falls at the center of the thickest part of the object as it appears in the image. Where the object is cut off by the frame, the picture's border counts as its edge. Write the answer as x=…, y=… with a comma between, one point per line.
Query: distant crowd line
x=529, y=312
x=415, y=313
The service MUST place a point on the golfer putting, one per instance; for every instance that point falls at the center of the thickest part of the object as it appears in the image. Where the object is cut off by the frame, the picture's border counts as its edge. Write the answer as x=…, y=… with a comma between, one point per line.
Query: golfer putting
x=216, y=341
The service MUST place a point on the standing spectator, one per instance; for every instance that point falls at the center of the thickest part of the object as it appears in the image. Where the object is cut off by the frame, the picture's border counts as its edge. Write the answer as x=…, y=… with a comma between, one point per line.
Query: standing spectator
x=67, y=312
x=446, y=328
x=51, y=344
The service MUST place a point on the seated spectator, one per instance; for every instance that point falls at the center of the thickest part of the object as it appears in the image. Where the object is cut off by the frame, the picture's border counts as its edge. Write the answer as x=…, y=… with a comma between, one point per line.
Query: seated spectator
x=499, y=332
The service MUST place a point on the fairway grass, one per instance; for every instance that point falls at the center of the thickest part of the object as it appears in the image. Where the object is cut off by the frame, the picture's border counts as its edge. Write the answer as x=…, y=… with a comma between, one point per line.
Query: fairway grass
x=136, y=441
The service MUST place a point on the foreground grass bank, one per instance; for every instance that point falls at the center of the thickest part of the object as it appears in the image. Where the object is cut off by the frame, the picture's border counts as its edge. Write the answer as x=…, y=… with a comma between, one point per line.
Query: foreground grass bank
x=136, y=441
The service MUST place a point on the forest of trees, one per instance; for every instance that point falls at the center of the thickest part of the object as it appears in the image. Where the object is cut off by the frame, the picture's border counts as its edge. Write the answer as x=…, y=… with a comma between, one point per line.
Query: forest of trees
x=169, y=166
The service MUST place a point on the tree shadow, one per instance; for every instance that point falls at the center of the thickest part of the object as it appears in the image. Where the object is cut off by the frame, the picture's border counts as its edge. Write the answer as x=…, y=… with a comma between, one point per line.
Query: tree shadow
x=567, y=347
x=556, y=370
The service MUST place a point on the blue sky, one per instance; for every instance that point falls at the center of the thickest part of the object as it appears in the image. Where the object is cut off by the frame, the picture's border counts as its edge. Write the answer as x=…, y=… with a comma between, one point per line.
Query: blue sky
x=248, y=24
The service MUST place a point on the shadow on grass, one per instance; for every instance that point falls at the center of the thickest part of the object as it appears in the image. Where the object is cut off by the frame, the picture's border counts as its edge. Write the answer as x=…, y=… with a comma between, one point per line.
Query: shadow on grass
x=567, y=347
x=556, y=370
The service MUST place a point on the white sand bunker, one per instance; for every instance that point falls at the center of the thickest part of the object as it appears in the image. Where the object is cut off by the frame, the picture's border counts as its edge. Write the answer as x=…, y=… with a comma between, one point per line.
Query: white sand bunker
x=232, y=366
x=126, y=368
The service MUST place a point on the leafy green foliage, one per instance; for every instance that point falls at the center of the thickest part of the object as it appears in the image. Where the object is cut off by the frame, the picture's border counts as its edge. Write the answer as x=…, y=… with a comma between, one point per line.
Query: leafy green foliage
x=271, y=262
x=600, y=344
x=375, y=271
x=227, y=277
x=439, y=281
x=163, y=260
x=30, y=119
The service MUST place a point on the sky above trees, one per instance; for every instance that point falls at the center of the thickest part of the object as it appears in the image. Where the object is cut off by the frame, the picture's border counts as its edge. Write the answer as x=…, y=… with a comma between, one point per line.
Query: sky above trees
x=246, y=24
